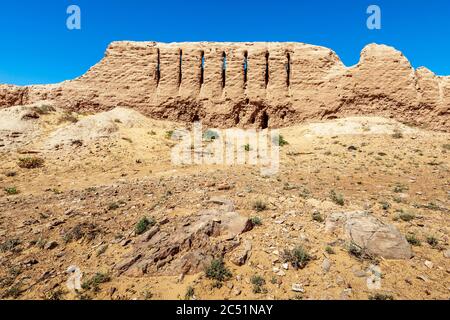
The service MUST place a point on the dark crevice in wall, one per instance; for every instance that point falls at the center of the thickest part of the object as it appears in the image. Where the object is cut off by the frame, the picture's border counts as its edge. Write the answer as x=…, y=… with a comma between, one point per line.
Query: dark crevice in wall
x=288, y=69
x=224, y=69
x=267, y=69
x=202, y=68
x=264, y=120
x=245, y=67
x=196, y=118
x=158, y=68
x=180, y=68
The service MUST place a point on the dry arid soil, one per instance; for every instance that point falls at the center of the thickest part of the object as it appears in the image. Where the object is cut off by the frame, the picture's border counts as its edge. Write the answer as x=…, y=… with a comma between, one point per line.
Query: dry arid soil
x=95, y=197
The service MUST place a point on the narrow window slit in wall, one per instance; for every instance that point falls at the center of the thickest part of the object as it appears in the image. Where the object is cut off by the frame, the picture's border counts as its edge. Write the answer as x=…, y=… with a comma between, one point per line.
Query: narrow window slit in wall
x=245, y=67
x=202, y=68
x=180, y=68
x=264, y=120
x=267, y=69
x=158, y=68
x=288, y=69
x=224, y=69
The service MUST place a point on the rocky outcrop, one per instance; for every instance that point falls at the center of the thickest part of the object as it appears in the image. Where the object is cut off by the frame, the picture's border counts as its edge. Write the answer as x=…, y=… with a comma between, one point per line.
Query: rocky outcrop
x=370, y=234
x=249, y=84
x=185, y=245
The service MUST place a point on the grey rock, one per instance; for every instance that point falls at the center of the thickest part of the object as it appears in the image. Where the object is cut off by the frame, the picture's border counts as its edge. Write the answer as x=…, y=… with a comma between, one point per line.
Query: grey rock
x=326, y=265
x=372, y=235
x=50, y=245
x=241, y=255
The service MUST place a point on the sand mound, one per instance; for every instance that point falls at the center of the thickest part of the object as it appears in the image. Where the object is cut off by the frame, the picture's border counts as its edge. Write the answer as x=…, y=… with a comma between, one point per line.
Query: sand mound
x=359, y=126
x=18, y=126
x=103, y=125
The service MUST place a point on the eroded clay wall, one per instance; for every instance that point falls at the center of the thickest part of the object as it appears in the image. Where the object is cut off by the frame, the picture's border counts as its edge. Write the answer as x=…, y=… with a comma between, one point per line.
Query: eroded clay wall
x=249, y=84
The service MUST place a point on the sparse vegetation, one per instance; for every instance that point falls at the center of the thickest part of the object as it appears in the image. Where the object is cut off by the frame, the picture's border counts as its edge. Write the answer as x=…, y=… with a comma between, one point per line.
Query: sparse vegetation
x=11, y=174
x=329, y=250
x=247, y=147
x=189, y=293
x=258, y=283
x=210, y=135
x=85, y=230
x=169, y=134
x=256, y=221
x=381, y=296
x=316, y=216
x=31, y=162
x=397, y=134
x=11, y=191
x=95, y=281
x=9, y=245
x=298, y=257
x=432, y=241
x=44, y=109
x=218, y=271
x=279, y=140
x=413, y=240
x=400, y=188
x=144, y=224
x=385, y=205
x=68, y=117
x=406, y=216
x=337, y=198
x=259, y=206
x=355, y=250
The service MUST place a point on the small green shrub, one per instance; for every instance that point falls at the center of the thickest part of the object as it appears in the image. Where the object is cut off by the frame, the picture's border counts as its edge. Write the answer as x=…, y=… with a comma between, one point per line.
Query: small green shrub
x=385, y=205
x=144, y=224
x=329, y=250
x=432, y=241
x=11, y=191
x=259, y=206
x=337, y=198
x=30, y=163
x=298, y=257
x=218, y=271
x=189, y=293
x=9, y=245
x=256, y=221
x=258, y=283
x=405, y=216
x=412, y=239
x=279, y=140
x=95, y=281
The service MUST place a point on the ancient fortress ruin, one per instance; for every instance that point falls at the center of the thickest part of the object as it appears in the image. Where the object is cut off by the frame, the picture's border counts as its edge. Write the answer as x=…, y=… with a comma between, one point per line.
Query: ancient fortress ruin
x=249, y=85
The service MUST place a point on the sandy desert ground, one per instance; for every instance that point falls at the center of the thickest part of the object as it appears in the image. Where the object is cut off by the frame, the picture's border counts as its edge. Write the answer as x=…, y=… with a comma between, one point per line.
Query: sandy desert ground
x=96, y=198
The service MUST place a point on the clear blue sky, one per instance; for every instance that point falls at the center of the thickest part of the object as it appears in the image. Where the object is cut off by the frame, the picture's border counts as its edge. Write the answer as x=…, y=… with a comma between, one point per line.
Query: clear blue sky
x=36, y=46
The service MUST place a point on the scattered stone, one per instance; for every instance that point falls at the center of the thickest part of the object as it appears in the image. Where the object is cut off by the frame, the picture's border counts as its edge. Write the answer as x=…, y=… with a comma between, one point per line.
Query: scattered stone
x=296, y=287
x=241, y=255
x=429, y=264
x=285, y=266
x=50, y=245
x=447, y=253
x=236, y=291
x=326, y=265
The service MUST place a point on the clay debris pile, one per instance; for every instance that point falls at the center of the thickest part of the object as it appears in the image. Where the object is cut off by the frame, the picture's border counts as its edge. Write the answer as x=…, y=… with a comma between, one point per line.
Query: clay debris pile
x=249, y=85
x=186, y=244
